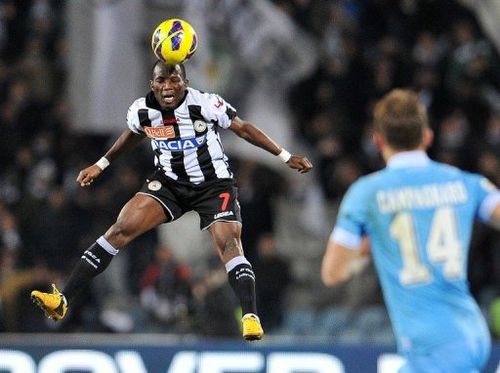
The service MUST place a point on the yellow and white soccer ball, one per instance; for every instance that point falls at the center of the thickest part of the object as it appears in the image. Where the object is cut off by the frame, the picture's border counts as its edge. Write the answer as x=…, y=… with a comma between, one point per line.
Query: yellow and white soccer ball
x=174, y=41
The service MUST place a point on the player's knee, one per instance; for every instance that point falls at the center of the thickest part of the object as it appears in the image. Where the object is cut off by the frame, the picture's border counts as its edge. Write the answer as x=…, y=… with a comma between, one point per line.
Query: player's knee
x=227, y=239
x=227, y=230
x=119, y=234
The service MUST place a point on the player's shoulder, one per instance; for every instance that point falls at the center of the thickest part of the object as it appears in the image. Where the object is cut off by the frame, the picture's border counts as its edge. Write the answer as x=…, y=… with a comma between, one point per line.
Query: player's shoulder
x=203, y=98
x=134, y=112
x=472, y=180
x=139, y=103
x=365, y=184
x=212, y=106
x=456, y=172
x=369, y=184
x=447, y=168
x=372, y=179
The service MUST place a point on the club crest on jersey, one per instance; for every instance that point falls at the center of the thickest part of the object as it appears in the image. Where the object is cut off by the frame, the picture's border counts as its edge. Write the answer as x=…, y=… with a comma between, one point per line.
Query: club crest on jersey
x=154, y=185
x=180, y=144
x=166, y=132
x=199, y=125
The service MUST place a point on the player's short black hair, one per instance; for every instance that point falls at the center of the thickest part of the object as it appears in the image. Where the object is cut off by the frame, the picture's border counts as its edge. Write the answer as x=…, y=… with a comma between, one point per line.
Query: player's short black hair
x=159, y=62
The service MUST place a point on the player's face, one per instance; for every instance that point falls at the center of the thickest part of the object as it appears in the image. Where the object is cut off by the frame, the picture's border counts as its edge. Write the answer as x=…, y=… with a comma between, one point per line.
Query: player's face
x=168, y=85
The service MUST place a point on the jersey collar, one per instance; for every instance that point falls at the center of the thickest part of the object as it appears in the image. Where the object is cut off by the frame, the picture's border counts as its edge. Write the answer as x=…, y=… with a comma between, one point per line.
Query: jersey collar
x=151, y=101
x=413, y=158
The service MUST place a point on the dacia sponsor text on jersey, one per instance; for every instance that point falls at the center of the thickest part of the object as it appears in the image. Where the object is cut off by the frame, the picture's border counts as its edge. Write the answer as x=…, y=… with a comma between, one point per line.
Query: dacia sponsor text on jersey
x=180, y=144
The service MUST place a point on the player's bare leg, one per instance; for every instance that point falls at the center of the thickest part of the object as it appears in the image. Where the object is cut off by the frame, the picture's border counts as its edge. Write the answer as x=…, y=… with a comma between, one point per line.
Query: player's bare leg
x=226, y=237
x=140, y=214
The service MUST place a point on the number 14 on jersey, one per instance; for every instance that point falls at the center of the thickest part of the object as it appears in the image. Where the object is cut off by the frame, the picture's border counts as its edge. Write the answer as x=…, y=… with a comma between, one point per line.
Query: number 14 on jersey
x=442, y=246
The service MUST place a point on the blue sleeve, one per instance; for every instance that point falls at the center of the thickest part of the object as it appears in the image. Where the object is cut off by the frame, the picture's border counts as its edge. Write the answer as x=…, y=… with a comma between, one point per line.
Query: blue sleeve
x=486, y=194
x=352, y=216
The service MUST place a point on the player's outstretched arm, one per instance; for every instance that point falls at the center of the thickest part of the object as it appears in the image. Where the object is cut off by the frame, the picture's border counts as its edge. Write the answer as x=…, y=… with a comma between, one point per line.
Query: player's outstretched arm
x=125, y=142
x=338, y=261
x=257, y=137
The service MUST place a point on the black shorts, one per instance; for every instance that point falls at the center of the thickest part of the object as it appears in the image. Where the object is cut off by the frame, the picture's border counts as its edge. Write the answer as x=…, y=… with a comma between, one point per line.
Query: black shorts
x=213, y=201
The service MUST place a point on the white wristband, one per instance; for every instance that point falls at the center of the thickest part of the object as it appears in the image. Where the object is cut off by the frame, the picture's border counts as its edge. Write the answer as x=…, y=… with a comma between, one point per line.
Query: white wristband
x=284, y=155
x=102, y=163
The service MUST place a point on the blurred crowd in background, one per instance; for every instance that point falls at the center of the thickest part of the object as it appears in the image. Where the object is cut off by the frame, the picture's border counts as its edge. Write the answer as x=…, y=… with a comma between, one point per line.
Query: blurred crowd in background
x=365, y=48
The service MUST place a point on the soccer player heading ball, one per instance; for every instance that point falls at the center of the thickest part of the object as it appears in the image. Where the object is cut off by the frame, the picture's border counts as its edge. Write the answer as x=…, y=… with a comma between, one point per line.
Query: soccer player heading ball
x=192, y=173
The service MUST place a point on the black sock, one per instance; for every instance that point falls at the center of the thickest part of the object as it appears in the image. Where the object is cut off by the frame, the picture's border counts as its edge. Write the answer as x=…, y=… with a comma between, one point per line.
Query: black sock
x=93, y=261
x=242, y=280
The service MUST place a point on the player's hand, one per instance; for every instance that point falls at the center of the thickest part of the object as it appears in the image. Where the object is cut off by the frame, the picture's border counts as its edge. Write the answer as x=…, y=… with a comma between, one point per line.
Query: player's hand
x=88, y=175
x=300, y=163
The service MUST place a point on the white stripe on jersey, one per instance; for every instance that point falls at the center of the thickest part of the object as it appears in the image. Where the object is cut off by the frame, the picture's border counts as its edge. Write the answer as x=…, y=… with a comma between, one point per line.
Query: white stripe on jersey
x=220, y=164
x=163, y=159
x=185, y=140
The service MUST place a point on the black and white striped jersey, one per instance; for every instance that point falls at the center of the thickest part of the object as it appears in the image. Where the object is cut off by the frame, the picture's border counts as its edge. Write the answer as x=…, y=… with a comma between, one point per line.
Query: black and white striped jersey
x=186, y=141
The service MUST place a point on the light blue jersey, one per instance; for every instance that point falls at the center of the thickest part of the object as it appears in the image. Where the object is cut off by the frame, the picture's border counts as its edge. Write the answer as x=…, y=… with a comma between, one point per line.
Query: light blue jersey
x=418, y=215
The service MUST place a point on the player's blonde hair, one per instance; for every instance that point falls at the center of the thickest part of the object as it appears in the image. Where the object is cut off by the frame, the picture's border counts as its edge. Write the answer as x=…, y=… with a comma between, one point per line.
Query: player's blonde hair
x=401, y=118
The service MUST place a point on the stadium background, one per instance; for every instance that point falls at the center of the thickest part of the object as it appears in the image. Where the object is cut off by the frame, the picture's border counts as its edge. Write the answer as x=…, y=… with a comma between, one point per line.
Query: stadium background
x=305, y=71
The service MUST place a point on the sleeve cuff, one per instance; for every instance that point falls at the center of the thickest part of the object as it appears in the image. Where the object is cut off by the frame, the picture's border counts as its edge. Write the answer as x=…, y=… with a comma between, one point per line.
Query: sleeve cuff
x=487, y=206
x=345, y=238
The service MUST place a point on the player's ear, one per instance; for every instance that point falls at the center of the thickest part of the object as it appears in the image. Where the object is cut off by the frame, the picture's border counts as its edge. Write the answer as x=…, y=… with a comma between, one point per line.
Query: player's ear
x=378, y=140
x=151, y=84
x=428, y=137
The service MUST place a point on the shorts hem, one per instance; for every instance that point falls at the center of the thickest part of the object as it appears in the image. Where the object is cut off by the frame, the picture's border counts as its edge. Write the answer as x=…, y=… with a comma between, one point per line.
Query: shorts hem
x=159, y=200
x=222, y=221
